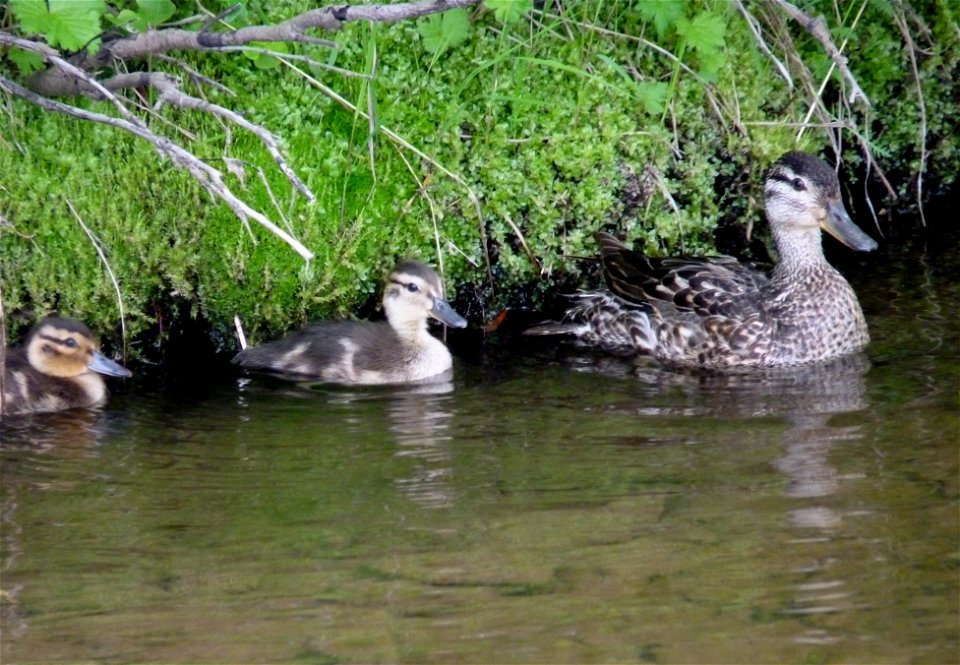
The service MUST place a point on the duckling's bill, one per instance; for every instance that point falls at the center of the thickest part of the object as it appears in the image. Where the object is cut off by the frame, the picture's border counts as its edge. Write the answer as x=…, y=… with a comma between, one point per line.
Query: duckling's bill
x=103, y=365
x=838, y=224
x=444, y=313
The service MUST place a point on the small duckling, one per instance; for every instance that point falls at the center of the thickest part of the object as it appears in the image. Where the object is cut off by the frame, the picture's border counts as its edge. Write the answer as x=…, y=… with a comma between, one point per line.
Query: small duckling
x=58, y=368
x=398, y=350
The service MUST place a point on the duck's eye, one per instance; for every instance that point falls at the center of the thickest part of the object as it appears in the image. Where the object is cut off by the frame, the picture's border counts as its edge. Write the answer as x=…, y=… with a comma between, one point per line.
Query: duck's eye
x=412, y=288
x=798, y=184
x=70, y=343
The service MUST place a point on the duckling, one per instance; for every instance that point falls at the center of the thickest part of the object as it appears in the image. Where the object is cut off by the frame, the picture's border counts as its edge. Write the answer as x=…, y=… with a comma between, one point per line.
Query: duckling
x=58, y=368
x=717, y=313
x=398, y=350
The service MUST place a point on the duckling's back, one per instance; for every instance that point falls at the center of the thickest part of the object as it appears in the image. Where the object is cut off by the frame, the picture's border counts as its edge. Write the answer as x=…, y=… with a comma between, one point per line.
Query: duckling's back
x=349, y=352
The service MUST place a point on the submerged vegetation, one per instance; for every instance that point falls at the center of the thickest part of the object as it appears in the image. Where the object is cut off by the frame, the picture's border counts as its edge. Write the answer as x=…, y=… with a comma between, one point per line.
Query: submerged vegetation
x=492, y=141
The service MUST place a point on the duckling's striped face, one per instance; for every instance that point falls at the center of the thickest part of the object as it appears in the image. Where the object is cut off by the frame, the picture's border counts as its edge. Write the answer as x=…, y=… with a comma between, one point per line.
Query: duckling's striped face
x=802, y=193
x=414, y=292
x=66, y=348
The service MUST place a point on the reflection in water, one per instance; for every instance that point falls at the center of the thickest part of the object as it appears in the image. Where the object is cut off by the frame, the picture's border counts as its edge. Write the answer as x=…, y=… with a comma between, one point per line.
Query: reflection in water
x=806, y=398
x=811, y=396
x=29, y=445
x=420, y=419
x=417, y=414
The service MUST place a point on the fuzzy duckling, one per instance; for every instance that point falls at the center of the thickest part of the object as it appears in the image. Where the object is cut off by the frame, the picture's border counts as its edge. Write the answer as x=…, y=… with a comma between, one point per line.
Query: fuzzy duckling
x=58, y=368
x=398, y=350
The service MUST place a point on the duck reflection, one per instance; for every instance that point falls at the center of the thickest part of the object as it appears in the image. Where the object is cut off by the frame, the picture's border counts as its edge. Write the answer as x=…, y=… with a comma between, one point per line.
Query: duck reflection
x=419, y=417
x=808, y=398
x=30, y=447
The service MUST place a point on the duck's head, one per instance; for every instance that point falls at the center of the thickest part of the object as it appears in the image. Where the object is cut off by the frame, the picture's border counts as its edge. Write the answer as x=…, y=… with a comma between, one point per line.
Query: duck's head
x=414, y=292
x=802, y=194
x=66, y=348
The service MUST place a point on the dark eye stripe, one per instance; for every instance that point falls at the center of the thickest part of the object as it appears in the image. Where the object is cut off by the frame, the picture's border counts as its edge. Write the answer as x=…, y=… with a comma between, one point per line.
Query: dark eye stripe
x=56, y=340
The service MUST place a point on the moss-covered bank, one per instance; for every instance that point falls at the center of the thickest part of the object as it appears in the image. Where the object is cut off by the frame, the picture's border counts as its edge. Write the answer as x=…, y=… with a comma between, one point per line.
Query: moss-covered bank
x=558, y=126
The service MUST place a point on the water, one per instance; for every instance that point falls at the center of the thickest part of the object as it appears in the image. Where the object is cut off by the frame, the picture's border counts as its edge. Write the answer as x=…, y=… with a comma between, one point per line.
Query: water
x=547, y=505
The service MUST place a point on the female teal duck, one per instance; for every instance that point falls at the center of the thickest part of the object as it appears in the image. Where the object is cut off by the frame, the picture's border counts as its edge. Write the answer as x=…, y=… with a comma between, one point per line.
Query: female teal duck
x=398, y=350
x=58, y=368
x=717, y=313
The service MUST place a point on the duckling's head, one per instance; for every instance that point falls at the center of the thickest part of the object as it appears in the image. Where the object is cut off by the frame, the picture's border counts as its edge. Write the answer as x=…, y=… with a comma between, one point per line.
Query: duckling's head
x=66, y=348
x=412, y=293
x=802, y=194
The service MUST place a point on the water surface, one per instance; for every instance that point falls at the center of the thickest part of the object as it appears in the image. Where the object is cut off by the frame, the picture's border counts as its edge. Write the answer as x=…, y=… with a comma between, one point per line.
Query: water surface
x=546, y=505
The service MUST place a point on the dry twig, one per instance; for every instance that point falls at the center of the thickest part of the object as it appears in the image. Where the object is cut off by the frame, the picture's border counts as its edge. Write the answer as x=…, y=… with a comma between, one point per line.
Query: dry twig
x=817, y=27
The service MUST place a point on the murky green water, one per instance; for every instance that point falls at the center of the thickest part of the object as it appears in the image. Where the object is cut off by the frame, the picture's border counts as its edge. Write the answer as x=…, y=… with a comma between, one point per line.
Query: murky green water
x=548, y=505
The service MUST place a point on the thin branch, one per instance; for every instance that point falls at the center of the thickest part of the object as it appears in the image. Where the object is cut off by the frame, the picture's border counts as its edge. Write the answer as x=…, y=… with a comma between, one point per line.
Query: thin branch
x=313, y=62
x=399, y=140
x=196, y=76
x=900, y=18
x=817, y=27
x=51, y=83
x=754, y=26
x=106, y=264
x=207, y=176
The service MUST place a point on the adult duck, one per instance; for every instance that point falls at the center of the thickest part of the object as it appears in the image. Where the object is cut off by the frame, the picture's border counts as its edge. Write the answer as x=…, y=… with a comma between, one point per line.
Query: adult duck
x=398, y=350
x=59, y=367
x=718, y=313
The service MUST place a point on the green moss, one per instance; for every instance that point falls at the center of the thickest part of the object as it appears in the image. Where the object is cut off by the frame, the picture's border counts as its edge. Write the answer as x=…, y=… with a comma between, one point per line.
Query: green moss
x=548, y=125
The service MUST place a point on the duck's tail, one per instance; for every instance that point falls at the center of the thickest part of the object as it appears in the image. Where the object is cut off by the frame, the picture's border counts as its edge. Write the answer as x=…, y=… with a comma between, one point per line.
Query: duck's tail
x=605, y=321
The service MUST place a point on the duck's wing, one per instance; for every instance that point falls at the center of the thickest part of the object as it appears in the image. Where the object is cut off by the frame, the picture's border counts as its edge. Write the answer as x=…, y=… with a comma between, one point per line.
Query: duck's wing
x=714, y=286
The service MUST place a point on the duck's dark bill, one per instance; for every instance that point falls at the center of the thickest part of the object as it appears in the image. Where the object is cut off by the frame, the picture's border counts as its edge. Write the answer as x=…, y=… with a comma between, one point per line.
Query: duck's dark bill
x=443, y=312
x=103, y=365
x=840, y=226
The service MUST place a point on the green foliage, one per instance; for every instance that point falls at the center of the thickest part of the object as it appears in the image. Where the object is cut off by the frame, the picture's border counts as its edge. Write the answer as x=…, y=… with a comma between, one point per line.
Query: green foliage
x=558, y=129
x=441, y=31
x=664, y=14
x=262, y=60
x=509, y=11
x=68, y=24
x=149, y=13
x=26, y=61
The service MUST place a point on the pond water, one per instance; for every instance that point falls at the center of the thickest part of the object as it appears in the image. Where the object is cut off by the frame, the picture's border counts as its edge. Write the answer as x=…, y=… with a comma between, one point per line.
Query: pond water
x=546, y=505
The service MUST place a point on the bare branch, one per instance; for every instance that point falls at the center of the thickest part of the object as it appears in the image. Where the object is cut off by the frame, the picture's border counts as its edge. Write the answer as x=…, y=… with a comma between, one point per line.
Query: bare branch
x=98, y=246
x=901, y=21
x=207, y=176
x=754, y=26
x=817, y=27
x=399, y=140
x=51, y=83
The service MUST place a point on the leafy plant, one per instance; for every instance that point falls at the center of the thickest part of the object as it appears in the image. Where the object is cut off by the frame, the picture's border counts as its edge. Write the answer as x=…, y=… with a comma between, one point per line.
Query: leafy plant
x=67, y=24
x=441, y=31
x=509, y=11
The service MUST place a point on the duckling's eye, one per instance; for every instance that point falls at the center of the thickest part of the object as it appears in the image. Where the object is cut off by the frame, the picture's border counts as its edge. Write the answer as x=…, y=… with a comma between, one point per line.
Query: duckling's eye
x=412, y=288
x=798, y=184
x=70, y=343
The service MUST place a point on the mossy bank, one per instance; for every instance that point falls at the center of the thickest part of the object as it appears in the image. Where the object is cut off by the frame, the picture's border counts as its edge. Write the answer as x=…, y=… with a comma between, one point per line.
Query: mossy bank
x=654, y=125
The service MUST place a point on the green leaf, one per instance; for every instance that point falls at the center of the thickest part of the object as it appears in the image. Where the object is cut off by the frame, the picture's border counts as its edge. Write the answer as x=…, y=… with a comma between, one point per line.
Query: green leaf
x=67, y=24
x=704, y=32
x=27, y=61
x=508, y=11
x=155, y=12
x=125, y=17
x=653, y=96
x=441, y=31
x=664, y=14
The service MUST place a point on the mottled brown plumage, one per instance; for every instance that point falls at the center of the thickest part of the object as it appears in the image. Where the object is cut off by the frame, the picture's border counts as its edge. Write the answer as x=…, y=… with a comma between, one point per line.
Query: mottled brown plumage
x=58, y=368
x=718, y=313
x=398, y=350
